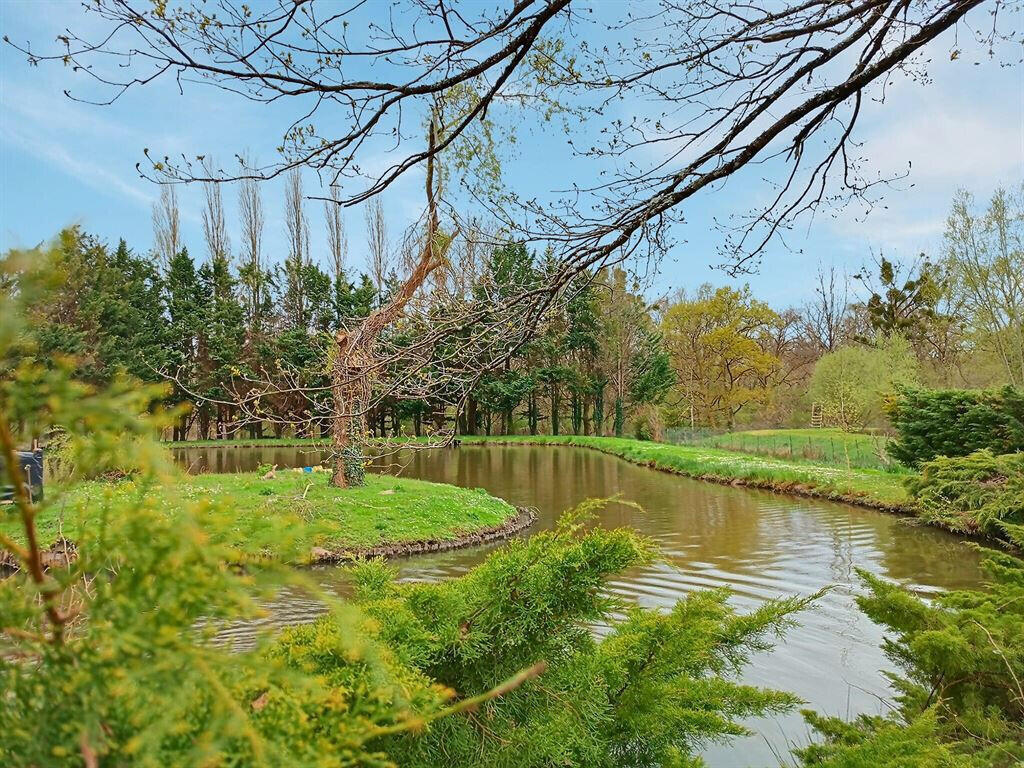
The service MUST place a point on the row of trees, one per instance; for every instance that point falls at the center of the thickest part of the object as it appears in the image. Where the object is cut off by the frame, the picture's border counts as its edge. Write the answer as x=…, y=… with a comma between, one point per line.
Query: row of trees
x=247, y=340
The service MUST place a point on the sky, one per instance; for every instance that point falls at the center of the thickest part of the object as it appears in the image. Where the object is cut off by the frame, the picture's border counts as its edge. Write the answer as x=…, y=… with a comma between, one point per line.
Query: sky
x=64, y=163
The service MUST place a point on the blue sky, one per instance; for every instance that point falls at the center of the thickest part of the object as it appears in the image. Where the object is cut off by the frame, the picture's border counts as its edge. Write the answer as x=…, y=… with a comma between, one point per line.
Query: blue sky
x=62, y=162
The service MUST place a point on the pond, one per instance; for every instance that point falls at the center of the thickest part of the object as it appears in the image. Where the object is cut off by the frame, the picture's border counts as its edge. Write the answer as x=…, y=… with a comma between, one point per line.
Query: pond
x=760, y=545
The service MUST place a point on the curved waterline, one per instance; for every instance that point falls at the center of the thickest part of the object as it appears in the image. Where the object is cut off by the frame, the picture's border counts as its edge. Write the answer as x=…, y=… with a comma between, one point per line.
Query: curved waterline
x=758, y=544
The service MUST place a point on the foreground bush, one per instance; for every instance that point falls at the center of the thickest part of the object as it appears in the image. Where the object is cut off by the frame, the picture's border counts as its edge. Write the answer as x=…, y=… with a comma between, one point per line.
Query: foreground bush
x=961, y=693
x=971, y=494
x=954, y=422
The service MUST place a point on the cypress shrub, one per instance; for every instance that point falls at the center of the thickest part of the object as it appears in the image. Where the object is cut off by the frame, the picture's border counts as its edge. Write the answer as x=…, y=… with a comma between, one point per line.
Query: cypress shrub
x=954, y=422
x=978, y=493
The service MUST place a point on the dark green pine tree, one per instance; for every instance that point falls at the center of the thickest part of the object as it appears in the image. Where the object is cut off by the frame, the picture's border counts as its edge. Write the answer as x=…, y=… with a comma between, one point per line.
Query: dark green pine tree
x=185, y=323
x=581, y=346
x=66, y=325
x=129, y=309
x=226, y=334
x=319, y=298
x=352, y=302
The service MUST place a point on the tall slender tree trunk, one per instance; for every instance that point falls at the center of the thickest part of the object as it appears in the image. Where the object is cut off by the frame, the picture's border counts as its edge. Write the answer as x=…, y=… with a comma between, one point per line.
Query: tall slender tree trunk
x=553, y=396
x=347, y=423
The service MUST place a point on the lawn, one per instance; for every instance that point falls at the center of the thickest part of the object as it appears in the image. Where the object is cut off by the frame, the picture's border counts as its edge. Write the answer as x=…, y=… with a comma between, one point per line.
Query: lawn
x=824, y=446
x=867, y=486
x=285, y=517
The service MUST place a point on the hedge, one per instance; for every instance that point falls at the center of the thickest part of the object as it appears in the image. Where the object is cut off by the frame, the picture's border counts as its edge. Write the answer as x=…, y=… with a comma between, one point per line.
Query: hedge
x=954, y=422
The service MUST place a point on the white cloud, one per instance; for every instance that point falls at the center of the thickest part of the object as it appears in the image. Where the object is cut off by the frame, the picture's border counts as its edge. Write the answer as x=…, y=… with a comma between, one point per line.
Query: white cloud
x=951, y=144
x=85, y=171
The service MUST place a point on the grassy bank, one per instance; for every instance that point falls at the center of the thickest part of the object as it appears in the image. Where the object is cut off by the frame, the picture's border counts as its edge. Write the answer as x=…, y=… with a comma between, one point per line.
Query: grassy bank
x=288, y=516
x=868, y=487
x=823, y=446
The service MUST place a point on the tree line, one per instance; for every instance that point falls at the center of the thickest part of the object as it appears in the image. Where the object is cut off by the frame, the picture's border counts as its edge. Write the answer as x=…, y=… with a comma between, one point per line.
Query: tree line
x=603, y=359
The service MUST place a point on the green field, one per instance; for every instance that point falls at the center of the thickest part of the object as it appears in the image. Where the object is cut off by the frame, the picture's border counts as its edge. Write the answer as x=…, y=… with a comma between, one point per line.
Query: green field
x=284, y=517
x=833, y=447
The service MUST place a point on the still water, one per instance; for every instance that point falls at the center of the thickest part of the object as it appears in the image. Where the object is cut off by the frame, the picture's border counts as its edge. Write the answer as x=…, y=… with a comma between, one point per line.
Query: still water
x=759, y=545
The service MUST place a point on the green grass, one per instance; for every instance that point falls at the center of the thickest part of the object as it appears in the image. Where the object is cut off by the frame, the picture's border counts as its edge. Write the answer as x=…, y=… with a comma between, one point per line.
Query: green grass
x=875, y=487
x=833, y=447
x=284, y=517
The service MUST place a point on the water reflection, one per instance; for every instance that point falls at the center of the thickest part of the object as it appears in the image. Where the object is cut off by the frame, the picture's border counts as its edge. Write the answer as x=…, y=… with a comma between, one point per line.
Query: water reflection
x=759, y=545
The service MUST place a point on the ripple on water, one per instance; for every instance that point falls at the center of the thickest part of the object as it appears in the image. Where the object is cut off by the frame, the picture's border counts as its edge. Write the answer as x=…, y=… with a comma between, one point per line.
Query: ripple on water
x=759, y=545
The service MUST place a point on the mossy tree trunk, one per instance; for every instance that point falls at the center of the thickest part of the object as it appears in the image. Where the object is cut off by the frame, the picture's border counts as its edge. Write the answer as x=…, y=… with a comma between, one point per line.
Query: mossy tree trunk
x=351, y=386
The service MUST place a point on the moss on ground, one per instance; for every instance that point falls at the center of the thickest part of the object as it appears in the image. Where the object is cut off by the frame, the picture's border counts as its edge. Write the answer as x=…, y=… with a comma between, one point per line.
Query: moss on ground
x=287, y=516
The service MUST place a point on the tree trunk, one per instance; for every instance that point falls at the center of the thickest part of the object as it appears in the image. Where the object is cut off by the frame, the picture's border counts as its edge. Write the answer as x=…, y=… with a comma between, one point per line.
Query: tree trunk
x=620, y=417
x=347, y=424
x=599, y=412
x=204, y=422
x=554, y=409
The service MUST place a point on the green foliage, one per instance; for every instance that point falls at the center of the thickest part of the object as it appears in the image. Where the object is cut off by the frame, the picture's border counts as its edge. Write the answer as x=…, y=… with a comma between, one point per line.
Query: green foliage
x=955, y=422
x=960, y=700
x=851, y=384
x=719, y=348
x=651, y=691
x=878, y=742
x=105, y=308
x=973, y=494
x=904, y=305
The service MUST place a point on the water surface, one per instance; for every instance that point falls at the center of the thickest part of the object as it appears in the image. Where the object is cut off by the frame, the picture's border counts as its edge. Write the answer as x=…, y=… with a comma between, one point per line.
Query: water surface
x=758, y=544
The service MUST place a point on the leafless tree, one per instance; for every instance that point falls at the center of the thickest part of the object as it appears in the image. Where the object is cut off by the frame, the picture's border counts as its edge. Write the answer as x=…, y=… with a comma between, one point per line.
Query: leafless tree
x=250, y=209
x=377, y=244
x=166, y=225
x=825, y=317
x=337, y=237
x=215, y=228
x=297, y=225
